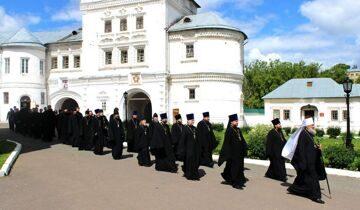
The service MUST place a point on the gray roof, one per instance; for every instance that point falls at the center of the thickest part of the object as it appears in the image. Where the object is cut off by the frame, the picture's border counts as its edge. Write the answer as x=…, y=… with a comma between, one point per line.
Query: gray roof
x=207, y=20
x=23, y=37
x=321, y=88
x=354, y=70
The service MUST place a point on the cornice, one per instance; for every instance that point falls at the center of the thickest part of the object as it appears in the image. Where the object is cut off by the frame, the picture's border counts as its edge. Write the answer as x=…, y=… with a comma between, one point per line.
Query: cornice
x=111, y=3
x=205, y=77
x=205, y=33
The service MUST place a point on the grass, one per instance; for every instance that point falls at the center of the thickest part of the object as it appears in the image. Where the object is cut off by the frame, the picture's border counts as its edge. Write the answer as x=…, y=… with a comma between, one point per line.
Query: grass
x=6, y=148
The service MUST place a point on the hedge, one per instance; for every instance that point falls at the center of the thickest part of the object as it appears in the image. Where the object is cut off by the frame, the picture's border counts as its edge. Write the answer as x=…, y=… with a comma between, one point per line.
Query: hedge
x=287, y=130
x=257, y=142
x=218, y=127
x=333, y=132
x=320, y=132
x=338, y=156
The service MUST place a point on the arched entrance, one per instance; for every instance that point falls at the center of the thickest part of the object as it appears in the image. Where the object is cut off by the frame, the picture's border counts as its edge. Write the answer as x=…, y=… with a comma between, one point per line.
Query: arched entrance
x=66, y=103
x=309, y=111
x=25, y=102
x=141, y=103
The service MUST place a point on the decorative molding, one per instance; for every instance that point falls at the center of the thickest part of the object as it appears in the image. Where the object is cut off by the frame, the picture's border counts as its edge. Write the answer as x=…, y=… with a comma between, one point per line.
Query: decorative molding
x=89, y=6
x=204, y=77
x=204, y=33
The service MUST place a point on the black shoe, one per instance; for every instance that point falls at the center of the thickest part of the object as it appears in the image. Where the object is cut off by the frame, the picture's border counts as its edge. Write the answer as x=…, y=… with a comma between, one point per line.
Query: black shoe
x=318, y=200
x=238, y=187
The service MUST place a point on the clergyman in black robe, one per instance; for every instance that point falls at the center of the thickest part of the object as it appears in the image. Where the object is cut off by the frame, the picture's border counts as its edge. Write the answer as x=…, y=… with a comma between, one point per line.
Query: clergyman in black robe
x=116, y=135
x=89, y=125
x=142, y=142
x=176, y=131
x=99, y=140
x=305, y=162
x=233, y=153
x=64, y=120
x=161, y=146
x=130, y=132
x=49, y=120
x=207, y=139
x=75, y=128
x=190, y=150
x=275, y=142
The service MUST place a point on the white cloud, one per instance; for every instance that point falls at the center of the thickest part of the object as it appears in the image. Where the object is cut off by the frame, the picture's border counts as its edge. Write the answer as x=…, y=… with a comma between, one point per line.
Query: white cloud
x=256, y=54
x=71, y=12
x=241, y=4
x=12, y=22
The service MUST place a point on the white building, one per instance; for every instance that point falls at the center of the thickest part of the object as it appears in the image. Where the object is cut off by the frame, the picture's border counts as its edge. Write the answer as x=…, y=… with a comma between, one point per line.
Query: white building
x=320, y=98
x=162, y=53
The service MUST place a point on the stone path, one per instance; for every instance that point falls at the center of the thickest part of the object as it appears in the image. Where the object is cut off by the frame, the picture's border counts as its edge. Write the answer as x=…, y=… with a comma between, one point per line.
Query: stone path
x=55, y=176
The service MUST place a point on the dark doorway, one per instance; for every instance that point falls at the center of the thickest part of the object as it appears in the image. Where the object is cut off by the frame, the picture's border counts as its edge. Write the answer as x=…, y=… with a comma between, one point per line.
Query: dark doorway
x=141, y=103
x=69, y=104
x=309, y=113
x=25, y=102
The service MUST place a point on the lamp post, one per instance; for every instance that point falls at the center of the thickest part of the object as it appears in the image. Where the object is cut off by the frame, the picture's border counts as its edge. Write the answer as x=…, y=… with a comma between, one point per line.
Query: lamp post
x=347, y=85
x=126, y=111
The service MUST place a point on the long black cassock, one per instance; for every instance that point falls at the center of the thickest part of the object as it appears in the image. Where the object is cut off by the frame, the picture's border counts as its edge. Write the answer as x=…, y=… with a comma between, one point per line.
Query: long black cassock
x=99, y=139
x=208, y=142
x=130, y=134
x=161, y=147
x=117, y=136
x=49, y=120
x=176, y=131
x=65, y=118
x=75, y=129
x=189, y=150
x=305, y=162
x=275, y=142
x=142, y=142
x=89, y=129
x=233, y=153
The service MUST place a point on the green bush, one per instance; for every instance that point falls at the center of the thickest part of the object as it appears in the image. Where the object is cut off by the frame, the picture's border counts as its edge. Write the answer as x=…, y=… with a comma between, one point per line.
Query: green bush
x=338, y=156
x=355, y=166
x=218, y=127
x=245, y=129
x=287, y=130
x=294, y=130
x=257, y=142
x=320, y=132
x=333, y=132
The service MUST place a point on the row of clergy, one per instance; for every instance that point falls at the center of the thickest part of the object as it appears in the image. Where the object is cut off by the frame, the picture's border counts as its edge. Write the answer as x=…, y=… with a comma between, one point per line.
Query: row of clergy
x=183, y=142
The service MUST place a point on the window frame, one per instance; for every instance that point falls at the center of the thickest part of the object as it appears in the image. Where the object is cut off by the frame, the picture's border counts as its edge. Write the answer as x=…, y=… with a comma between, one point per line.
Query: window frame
x=277, y=116
x=192, y=93
x=67, y=66
x=6, y=98
x=108, y=26
x=103, y=105
x=42, y=98
x=54, y=63
x=139, y=22
x=24, y=65
x=42, y=67
x=344, y=115
x=123, y=25
x=189, y=50
x=124, y=53
x=139, y=58
x=332, y=115
x=108, y=52
x=77, y=61
x=7, y=65
x=289, y=114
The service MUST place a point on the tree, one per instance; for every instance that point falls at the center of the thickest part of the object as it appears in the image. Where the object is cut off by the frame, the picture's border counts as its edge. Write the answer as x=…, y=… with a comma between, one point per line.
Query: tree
x=337, y=72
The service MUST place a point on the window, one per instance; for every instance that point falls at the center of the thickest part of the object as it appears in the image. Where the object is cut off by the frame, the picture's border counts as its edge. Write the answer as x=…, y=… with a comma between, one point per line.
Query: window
x=108, y=26
x=140, y=22
x=123, y=24
x=140, y=55
x=124, y=56
x=103, y=105
x=54, y=63
x=276, y=113
x=65, y=62
x=189, y=50
x=41, y=66
x=24, y=65
x=77, y=61
x=108, y=58
x=7, y=65
x=192, y=93
x=6, y=97
x=286, y=114
x=344, y=115
x=334, y=115
x=42, y=98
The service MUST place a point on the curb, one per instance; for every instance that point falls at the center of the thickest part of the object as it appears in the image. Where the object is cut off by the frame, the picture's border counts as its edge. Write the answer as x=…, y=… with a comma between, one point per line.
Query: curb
x=5, y=170
x=329, y=171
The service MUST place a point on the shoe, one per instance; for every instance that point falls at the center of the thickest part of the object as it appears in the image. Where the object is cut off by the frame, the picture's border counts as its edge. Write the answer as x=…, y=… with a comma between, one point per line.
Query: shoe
x=238, y=187
x=318, y=200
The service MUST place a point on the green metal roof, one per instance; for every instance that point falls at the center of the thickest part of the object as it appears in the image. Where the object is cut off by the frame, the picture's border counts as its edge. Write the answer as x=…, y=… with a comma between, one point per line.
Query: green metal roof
x=207, y=20
x=320, y=88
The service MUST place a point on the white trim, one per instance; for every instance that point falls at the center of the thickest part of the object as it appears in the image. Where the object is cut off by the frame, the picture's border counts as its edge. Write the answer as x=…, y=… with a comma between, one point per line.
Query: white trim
x=5, y=169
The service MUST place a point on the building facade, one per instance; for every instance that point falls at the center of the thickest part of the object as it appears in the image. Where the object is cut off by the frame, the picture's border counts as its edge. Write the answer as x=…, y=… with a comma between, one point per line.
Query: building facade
x=164, y=55
x=320, y=98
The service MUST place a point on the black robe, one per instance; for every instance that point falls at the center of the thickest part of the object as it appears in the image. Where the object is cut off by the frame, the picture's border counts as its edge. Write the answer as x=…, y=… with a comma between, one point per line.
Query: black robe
x=130, y=134
x=208, y=143
x=275, y=142
x=142, y=142
x=75, y=129
x=176, y=131
x=304, y=161
x=161, y=147
x=49, y=121
x=99, y=139
x=64, y=120
x=89, y=125
x=233, y=153
x=190, y=150
x=117, y=137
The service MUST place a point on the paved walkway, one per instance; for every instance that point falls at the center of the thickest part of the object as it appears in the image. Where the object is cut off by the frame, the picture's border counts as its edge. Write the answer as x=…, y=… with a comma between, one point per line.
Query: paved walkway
x=59, y=177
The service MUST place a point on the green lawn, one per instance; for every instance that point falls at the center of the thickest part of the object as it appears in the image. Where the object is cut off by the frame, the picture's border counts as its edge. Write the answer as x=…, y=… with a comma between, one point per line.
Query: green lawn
x=5, y=150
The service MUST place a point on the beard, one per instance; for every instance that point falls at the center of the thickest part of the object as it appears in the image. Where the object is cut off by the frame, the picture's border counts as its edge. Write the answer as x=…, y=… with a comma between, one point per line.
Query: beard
x=312, y=131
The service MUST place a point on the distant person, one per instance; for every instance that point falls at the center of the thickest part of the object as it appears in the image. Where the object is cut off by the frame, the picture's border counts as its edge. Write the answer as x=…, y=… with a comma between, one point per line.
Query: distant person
x=142, y=141
x=90, y=127
x=116, y=135
x=49, y=120
x=275, y=142
x=11, y=119
x=207, y=139
x=130, y=132
x=176, y=131
x=233, y=153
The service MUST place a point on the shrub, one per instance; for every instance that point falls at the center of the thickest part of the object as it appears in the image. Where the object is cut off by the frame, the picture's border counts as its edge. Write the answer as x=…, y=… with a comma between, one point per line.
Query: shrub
x=338, y=156
x=294, y=130
x=333, y=132
x=287, y=130
x=320, y=132
x=355, y=166
x=257, y=142
x=245, y=129
x=218, y=127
